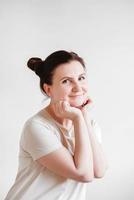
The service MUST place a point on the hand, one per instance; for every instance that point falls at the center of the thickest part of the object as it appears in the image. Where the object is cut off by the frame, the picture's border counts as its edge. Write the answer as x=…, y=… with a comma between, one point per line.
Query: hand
x=63, y=110
x=86, y=107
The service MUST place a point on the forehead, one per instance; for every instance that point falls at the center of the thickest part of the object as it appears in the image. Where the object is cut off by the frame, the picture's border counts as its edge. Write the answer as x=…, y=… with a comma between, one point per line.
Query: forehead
x=73, y=68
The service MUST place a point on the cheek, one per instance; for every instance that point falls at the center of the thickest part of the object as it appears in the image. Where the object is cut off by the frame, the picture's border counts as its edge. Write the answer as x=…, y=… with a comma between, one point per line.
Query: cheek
x=64, y=90
x=85, y=85
x=85, y=88
x=60, y=93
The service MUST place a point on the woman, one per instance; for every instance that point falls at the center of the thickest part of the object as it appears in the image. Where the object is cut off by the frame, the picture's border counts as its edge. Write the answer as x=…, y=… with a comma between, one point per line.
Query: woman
x=60, y=146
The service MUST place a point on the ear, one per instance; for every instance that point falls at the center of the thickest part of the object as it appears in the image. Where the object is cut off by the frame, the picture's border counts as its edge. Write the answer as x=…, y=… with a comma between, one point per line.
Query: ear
x=47, y=89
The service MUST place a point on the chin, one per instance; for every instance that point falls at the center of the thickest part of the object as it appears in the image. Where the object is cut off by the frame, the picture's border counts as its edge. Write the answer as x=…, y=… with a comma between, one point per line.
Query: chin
x=76, y=104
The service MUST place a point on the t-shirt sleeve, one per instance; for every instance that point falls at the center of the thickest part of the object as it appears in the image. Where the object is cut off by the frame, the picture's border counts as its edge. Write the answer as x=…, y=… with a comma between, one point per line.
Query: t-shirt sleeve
x=39, y=140
x=97, y=130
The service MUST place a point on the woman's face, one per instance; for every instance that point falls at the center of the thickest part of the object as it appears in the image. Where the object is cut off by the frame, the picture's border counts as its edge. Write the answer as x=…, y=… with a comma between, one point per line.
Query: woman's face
x=69, y=83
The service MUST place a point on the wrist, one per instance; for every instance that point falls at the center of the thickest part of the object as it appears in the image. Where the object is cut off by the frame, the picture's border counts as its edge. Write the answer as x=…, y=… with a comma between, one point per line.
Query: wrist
x=77, y=117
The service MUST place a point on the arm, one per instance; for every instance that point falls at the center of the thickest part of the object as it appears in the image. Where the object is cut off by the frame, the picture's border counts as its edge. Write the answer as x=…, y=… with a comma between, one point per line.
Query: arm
x=78, y=167
x=83, y=156
x=99, y=159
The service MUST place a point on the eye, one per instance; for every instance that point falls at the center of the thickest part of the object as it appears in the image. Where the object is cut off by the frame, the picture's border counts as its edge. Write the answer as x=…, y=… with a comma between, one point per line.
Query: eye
x=65, y=81
x=82, y=78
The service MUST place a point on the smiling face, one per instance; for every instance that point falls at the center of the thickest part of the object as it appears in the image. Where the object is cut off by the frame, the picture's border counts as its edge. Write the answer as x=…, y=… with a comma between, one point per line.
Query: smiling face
x=69, y=83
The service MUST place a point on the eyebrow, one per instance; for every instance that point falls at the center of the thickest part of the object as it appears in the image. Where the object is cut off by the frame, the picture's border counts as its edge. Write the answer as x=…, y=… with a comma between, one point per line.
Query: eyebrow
x=71, y=77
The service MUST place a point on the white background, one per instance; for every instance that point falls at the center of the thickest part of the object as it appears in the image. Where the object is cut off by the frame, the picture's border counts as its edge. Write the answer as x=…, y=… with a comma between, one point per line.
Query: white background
x=102, y=32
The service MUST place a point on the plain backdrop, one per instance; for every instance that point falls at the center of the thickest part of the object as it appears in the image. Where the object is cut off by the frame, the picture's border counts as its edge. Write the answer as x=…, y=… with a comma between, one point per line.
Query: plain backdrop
x=102, y=32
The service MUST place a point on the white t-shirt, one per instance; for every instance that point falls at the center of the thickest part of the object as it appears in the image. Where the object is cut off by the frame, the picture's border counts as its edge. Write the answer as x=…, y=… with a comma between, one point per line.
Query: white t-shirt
x=41, y=135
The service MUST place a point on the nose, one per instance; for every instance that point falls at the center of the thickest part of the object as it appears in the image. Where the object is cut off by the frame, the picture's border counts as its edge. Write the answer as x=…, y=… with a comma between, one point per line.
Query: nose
x=77, y=87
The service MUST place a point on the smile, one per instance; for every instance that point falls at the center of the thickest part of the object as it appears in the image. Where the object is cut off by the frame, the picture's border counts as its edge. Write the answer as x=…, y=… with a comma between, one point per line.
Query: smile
x=76, y=96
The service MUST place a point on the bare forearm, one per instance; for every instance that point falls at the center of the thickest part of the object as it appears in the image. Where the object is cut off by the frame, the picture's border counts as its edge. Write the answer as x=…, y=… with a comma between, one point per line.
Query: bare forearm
x=99, y=159
x=83, y=157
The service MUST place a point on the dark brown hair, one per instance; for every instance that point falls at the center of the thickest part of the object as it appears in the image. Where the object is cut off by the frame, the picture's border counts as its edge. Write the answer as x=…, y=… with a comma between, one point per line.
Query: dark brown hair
x=45, y=68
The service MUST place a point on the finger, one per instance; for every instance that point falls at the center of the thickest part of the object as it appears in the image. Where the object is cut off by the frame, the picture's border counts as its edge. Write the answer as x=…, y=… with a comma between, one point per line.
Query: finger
x=88, y=101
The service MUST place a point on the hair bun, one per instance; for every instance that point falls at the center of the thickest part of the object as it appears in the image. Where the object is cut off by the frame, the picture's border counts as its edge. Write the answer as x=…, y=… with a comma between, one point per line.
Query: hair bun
x=34, y=63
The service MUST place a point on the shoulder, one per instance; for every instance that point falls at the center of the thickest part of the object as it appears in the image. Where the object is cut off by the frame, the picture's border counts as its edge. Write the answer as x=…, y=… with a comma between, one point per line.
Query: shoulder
x=39, y=124
x=38, y=137
x=38, y=120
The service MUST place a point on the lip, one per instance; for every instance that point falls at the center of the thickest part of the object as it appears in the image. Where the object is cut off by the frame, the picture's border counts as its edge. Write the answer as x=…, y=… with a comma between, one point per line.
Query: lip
x=77, y=95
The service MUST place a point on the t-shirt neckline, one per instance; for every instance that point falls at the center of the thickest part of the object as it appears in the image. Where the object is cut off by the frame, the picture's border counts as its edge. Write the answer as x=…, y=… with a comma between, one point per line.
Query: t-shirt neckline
x=55, y=121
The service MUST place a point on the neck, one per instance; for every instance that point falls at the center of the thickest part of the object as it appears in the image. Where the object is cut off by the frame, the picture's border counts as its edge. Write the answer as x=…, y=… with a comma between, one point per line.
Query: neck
x=63, y=121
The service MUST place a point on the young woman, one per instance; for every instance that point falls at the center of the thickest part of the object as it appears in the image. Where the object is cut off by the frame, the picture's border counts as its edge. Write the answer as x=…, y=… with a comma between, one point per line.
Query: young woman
x=60, y=146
